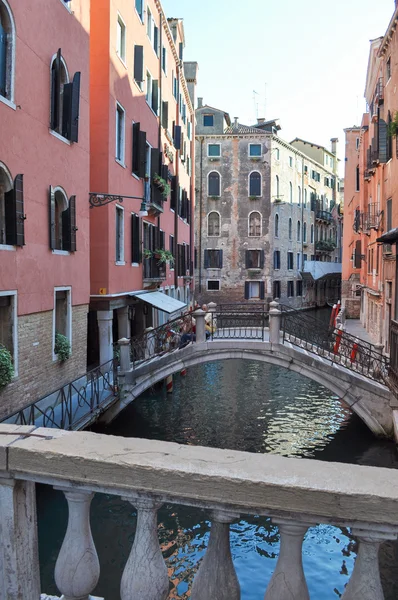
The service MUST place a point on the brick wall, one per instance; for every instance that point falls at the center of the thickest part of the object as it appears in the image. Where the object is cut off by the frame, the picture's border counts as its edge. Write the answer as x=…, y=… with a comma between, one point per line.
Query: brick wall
x=38, y=374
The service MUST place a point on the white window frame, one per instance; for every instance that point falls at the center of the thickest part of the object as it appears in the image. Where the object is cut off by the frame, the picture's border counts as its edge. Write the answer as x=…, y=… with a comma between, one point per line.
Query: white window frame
x=291, y=161
x=120, y=110
x=248, y=224
x=219, y=216
x=121, y=40
x=261, y=184
x=208, y=175
x=52, y=131
x=10, y=101
x=149, y=24
x=213, y=155
x=255, y=155
x=258, y=282
x=141, y=17
x=292, y=255
x=121, y=248
x=219, y=285
x=14, y=307
x=290, y=192
x=67, y=289
x=164, y=54
x=148, y=92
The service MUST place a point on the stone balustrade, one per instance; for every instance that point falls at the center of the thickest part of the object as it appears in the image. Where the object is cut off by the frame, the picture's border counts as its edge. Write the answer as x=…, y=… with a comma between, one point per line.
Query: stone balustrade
x=295, y=493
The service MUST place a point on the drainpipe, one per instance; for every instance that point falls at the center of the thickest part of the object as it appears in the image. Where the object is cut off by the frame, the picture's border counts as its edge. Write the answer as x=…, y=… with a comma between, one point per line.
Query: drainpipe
x=177, y=171
x=302, y=223
x=200, y=214
x=160, y=95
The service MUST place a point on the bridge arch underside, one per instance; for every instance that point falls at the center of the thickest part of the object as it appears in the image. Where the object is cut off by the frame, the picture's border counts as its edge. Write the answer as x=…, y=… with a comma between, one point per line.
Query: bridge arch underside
x=368, y=399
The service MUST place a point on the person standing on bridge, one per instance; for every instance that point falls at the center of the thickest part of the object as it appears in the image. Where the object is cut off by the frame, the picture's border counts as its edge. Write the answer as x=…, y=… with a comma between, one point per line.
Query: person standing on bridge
x=210, y=321
x=188, y=330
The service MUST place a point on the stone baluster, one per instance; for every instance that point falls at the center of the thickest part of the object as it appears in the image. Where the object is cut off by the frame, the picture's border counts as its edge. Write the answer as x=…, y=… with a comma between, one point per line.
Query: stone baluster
x=19, y=558
x=145, y=574
x=124, y=346
x=275, y=316
x=199, y=316
x=216, y=577
x=77, y=568
x=365, y=581
x=288, y=580
x=105, y=319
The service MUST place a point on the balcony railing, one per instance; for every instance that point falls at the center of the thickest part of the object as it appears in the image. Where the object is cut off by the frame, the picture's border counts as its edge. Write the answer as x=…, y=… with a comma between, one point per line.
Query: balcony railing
x=154, y=270
x=295, y=493
x=393, y=371
x=324, y=215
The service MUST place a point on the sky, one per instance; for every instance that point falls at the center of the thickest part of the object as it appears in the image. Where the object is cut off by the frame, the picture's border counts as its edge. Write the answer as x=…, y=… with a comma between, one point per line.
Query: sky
x=306, y=60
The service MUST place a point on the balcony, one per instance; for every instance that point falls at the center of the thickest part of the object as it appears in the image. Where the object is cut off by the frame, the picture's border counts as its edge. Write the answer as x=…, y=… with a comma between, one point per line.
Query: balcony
x=295, y=493
x=324, y=215
x=325, y=246
x=371, y=219
x=153, y=271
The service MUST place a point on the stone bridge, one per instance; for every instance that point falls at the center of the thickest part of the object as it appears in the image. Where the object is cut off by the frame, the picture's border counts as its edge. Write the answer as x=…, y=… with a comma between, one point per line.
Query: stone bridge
x=369, y=399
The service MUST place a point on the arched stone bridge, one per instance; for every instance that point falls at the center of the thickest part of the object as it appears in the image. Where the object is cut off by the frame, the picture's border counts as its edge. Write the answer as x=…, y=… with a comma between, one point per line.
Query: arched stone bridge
x=369, y=399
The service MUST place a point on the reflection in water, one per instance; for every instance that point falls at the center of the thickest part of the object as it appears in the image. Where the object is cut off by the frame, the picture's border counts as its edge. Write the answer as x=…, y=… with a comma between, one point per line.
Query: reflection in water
x=240, y=405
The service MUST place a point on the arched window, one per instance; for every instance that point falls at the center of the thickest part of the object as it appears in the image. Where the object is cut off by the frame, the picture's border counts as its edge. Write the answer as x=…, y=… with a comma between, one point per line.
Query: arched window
x=276, y=225
x=65, y=98
x=304, y=232
x=290, y=228
x=277, y=186
x=255, y=184
x=299, y=195
x=291, y=192
x=213, y=224
x=312, y=234
x=62, y=220
x=7, y=51
x=213, y=185
x=11, y=208
x=254, y=224
x=298, y=231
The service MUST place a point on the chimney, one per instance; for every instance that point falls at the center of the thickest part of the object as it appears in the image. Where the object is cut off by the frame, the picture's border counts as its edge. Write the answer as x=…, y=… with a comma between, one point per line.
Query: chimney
x=261, y=120
x=334, y=145
x=200, y=102
x=236, y=126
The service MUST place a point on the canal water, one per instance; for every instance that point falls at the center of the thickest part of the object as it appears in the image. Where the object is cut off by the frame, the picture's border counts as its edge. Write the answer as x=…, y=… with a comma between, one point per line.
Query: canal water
x=242, y=405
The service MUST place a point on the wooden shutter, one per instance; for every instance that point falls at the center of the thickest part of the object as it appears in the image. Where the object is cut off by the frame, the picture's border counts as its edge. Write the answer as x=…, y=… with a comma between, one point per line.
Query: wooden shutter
x=357, y=256
x=165, y=115
x=135, y=148
x=155, y=170
x=141, y=159
x=177, y=137
x=261, y=259
x=247, y=259
x=139, y=63
x=55, y=90
x=72, y=223
x=135, y=239
x=383, y=141
x=262, y=290
x=164, y=172
x=66, y=108
x=14, y=214
x=155, y=96
x=247, y=290
x=156, y=40
x=51, y=203
x=75, y=108
x=219, y=259
x=206, y=259
x=174, y=192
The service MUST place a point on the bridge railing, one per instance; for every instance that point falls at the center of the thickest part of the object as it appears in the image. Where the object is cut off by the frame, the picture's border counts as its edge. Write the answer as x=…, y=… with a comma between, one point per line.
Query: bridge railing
x=75, y=404
x=393, y=373
x=239, y=321
x=336, y=345
x=295, y=493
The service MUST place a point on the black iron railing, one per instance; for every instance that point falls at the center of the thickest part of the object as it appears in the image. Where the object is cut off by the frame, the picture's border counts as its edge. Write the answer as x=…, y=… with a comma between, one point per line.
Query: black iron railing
x=154, y=270
x=393, y=372
x=340, y=347
x=244, y=320
x=324, y=215
x=74, y=405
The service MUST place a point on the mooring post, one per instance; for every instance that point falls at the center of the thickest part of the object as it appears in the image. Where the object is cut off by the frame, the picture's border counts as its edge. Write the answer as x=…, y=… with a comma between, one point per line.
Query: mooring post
x=275, y=317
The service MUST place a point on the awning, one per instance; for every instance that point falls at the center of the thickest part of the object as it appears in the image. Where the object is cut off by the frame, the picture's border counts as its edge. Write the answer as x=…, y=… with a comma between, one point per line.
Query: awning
x=160, y=301
x=390, y=237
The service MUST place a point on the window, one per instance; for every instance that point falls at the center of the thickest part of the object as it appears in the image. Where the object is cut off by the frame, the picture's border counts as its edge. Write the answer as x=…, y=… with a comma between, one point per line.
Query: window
x=152, y=92
x=164, y=60
x=156, y=39
x=120, y=117
x=290, y=161
x=254, y=224
x=276, y=225
x=277, y=154
x=213, y=184
x=299, y=195
x=62, y=220
x=254, y=259
x=149, y=24
x=65, y=98
x=305, y=198
x=208, y=120
x=298, y=231
x=139, y=65
x=12, y=216
x=135, y=239
x=213, y=259
x=119, y=235
x=214, y=150
x=255, y=150
x=290, y=261
x=305, y=258
x=139, y=7
x=357, y=179
x=213, y=285
x=388, y=69
x=139, y=151
x=298, y=261
x=277, y=186
x=291, y=192
x=62, y=317
x=290, y=228
x=254, y=289
x=121, y=38
x=370, y=261
x=213, y=224
x=276, y=292
x=312, y=234
x=7, y=52
x=255, y=184
x=299, y=287
x=171, y=248
x=277, y=259
x=389, y=214
x=290, y=289
x=304, y=232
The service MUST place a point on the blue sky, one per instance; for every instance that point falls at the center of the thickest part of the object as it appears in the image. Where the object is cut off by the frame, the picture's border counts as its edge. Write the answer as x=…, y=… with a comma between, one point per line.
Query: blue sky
x=308, y=58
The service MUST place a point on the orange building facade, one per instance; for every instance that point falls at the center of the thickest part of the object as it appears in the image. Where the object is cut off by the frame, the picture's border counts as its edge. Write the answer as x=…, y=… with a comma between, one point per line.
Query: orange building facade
x=142, y=170
x=371, y=202
x=44, y=184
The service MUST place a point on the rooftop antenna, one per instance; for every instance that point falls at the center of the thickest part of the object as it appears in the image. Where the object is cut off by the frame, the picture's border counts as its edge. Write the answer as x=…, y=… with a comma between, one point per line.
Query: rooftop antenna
x=255, y=104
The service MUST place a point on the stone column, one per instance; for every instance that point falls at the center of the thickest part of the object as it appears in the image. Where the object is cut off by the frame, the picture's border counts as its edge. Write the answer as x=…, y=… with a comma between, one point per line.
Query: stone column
x=365, y=581
x=123, y=322
x=77, y=568
x=105, y=318
x=275, y=317
x=288, y=580
x=145, y=574
x=199, y=316
x=216, y=577
x=125, y=363
x=19, y=557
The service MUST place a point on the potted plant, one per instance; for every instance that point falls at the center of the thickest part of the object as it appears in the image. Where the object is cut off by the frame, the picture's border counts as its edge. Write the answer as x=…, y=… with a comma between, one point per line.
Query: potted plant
x=393, y=126
x=214, y=197
x=164, y=256
x=162, y=185
x=6, y=366
x=62, y=347
x=253, y=197
x=147, y=253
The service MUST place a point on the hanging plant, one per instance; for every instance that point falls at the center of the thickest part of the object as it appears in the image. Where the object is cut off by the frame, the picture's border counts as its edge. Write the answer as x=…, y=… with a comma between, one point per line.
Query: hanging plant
x=162, y=185
x=6, y=366
x=62, y=347
x=147, y=253
x=393, y=126
x=164, y=256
